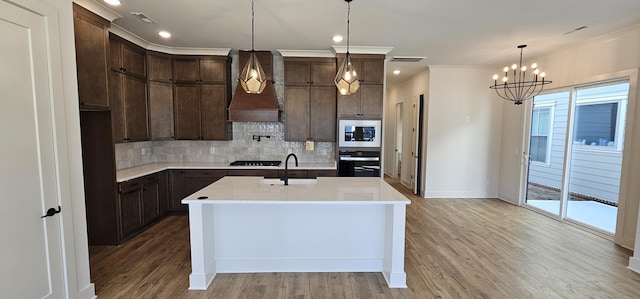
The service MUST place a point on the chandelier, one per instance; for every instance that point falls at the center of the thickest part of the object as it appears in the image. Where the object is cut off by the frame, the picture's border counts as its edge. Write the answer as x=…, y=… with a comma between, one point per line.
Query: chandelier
x=252, y=78
x=347, y=79
x=518, y=88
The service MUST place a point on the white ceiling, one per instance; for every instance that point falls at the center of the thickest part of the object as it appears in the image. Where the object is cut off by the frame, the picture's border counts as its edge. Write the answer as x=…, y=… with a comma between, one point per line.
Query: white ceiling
x=447, y=32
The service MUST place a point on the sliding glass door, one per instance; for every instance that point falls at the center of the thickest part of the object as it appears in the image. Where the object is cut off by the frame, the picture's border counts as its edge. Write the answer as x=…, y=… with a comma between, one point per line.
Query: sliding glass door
x=546, y=151
x=596, y=155
x=575, y=154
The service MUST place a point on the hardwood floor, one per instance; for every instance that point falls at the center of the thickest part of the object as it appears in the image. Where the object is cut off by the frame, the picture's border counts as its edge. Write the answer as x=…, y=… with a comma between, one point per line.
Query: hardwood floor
x=455, y=248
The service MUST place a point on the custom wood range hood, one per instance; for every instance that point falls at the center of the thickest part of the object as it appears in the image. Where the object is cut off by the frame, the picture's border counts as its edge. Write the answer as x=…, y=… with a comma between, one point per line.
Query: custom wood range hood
x=262, y=107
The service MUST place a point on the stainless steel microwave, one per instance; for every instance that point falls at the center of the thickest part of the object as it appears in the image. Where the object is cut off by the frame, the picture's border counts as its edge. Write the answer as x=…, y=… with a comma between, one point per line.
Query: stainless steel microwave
x=359, y=133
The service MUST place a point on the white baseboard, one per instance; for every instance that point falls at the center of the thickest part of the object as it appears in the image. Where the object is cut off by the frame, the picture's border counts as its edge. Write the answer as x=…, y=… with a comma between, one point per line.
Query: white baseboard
x=634, y=264
x=88, y=292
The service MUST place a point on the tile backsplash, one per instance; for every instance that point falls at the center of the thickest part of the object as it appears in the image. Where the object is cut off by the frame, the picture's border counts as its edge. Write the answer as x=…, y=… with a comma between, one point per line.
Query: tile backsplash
x=242, y=147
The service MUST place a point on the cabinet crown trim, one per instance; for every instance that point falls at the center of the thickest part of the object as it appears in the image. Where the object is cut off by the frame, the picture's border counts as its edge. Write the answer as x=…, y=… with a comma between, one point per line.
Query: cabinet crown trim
x=307, y=53
x=361, y=50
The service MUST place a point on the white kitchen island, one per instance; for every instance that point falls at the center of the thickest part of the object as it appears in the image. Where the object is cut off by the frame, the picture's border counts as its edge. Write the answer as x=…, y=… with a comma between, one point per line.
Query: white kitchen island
x=251, y=224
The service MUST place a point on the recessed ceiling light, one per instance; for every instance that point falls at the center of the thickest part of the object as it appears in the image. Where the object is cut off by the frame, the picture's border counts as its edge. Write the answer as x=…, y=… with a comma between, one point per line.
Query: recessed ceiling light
x=396, y=72
x=113, y=2
x=337, y=38
x=164, y=34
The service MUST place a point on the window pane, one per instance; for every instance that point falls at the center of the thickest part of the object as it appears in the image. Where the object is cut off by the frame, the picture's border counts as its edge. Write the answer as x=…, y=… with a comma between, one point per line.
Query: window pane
x=540, y=121
x=596, y=124
x=538, y=149
x=543, y=124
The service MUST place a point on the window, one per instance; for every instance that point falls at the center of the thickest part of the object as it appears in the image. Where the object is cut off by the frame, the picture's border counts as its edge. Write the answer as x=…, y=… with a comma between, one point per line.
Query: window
x=596, y=124
x=540, y=131
x=598, y=120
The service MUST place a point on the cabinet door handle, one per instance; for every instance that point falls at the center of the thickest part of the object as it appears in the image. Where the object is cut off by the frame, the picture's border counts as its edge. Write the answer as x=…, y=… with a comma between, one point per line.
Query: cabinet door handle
x=51, y=212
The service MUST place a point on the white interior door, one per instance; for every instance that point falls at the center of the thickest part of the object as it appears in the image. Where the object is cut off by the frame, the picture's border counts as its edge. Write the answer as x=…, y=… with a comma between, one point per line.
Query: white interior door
x=31, y=252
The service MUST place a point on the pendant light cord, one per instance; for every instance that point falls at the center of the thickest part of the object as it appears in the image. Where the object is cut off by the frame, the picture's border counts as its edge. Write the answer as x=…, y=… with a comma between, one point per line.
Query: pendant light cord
x=252, y=17
x=348, y=15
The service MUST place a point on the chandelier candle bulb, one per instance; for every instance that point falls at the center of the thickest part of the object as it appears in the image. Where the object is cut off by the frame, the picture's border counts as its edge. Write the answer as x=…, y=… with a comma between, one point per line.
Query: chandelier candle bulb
x=521, y=89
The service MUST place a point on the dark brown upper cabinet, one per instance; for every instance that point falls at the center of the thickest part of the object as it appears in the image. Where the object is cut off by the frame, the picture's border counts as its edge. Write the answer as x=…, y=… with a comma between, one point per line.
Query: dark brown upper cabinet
x=160, y=67
x=310, y=71
x=201, y=69
x=370, y=68
x=127, y=57
x=128, y=108
x=366, y=103
x=310, y=99
x=160, y=79
x=92, y=46
x=128, y=90
x=200, y=112
x=201, y=97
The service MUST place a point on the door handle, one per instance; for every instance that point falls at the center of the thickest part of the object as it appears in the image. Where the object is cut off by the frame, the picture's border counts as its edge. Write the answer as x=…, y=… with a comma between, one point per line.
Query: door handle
x=51, y=212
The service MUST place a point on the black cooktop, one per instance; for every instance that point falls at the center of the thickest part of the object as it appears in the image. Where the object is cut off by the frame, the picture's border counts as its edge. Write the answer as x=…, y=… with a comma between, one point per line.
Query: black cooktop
x=255, y=163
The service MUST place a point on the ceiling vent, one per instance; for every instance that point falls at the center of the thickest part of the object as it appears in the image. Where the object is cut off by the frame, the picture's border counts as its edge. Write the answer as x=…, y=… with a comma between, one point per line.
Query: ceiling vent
x=406, y=59
x=143, y=17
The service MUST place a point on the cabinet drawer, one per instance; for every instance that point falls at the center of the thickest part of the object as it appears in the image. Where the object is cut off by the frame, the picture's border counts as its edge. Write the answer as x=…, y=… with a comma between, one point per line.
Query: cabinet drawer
x=301, y=174
x=205, y=173
x=137, y=183
x=322, y=173
x=267, y=173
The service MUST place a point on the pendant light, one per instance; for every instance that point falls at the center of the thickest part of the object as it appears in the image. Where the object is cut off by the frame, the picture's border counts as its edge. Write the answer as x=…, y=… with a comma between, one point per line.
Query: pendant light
x=347, y=79
x=252, y=78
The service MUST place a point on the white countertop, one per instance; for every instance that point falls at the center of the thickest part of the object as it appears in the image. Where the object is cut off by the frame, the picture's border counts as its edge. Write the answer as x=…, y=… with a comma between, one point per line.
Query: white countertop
x=325, y=190
x=126, y=174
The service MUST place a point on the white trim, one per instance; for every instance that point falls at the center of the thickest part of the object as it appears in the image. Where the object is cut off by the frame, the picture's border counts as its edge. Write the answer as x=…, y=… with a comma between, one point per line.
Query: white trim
x=551, y=105
x=634, y=264
x=307, y=53
x=117, y=30
x=361, y=50
x=99, y=9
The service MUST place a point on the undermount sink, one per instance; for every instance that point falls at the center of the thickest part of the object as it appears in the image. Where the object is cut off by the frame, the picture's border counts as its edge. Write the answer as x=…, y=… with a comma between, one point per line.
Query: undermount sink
x=279, y=182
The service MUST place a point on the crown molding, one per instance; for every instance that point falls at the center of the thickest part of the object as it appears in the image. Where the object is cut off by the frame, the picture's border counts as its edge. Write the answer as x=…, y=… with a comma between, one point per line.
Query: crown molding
x=361, y=50
x=115, y=29
x=99, y=9
x=307, y=53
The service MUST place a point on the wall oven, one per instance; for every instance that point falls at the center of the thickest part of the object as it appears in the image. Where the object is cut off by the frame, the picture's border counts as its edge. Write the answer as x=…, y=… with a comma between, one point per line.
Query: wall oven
x=359, y=164
x=359, y=133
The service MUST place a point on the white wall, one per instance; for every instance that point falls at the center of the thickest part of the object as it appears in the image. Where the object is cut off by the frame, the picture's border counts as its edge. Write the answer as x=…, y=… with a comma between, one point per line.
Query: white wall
x=462, y=158
x=464, y=134
x=609, y=57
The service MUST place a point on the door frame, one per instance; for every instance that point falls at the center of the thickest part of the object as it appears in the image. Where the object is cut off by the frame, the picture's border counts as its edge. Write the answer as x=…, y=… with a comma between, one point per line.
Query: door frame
x=399, y=126
x=63, y=97
x=626, y=216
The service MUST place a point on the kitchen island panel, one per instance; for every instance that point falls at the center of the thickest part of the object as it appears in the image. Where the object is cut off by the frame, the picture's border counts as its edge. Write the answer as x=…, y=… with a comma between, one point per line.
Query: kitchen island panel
x=239, y=225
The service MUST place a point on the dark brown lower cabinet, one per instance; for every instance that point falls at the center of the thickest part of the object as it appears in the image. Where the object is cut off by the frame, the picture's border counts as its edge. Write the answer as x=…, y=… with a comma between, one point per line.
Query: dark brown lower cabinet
x=322, y=173
x=267, y=173
x=297, y=174
x=198, y=179
x=130, y=213
x=186, y=182
x=138, y=204
x=177, y=191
